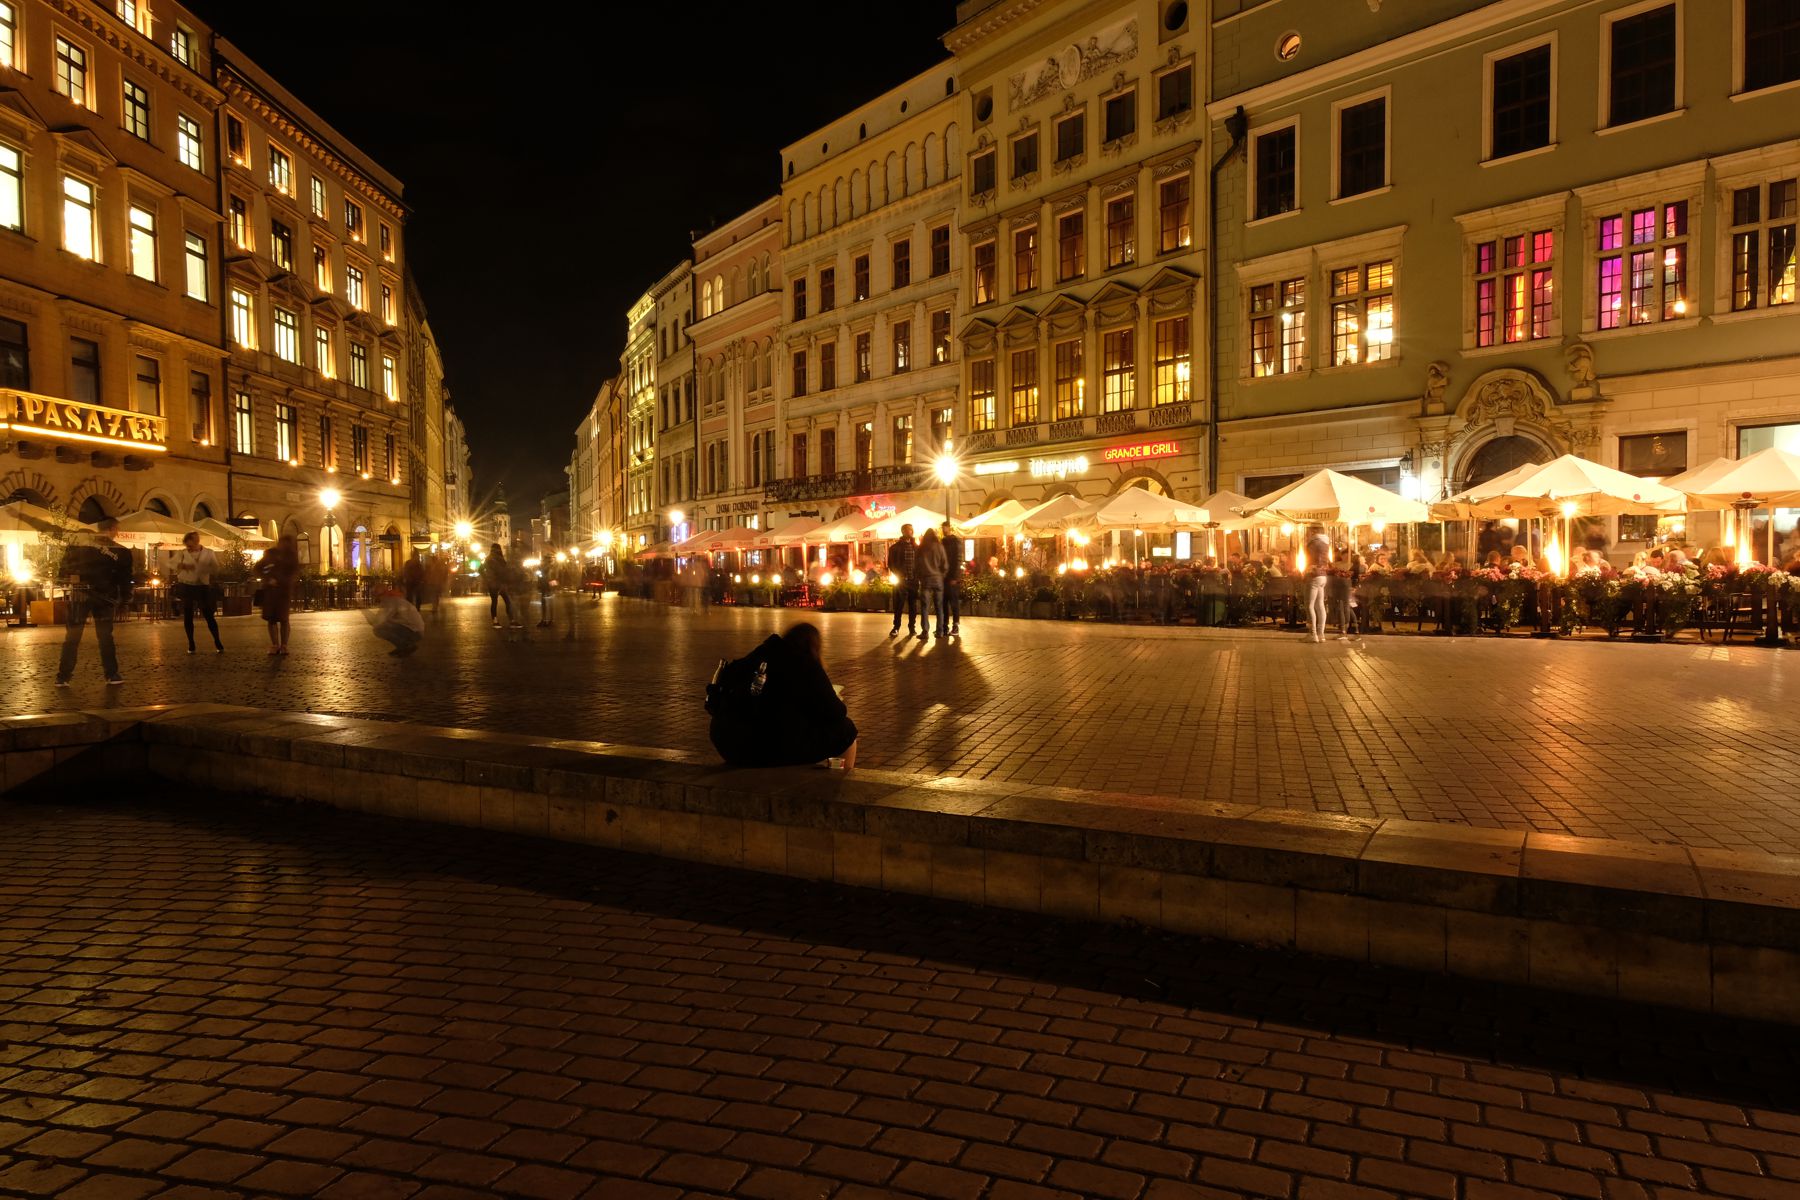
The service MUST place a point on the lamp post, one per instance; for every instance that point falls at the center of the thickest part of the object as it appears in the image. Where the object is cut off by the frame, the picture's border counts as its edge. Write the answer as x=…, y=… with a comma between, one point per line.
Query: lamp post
x=946, y=469
x=329, y=498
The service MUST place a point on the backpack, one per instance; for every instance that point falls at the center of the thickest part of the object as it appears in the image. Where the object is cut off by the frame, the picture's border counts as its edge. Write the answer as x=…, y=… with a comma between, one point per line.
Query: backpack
x=737, y=686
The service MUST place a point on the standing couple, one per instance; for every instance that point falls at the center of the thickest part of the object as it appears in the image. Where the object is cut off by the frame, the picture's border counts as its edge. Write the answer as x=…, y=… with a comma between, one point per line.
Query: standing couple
x=929, y=570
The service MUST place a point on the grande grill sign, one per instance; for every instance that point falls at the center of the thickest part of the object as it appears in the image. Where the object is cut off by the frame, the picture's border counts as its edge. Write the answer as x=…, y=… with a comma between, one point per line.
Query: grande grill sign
x=1139, y=451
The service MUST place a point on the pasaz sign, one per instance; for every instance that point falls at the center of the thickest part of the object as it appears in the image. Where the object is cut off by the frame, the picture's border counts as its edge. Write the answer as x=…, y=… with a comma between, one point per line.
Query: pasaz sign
x=1138, y=451
x=56, y=417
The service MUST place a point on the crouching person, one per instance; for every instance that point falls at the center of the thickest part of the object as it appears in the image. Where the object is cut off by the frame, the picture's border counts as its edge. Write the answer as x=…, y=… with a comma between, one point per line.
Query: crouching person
x=776, y=707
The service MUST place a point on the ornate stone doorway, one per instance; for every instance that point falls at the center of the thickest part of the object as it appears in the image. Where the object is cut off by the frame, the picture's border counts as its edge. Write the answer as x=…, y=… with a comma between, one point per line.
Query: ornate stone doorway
x=1496, y=457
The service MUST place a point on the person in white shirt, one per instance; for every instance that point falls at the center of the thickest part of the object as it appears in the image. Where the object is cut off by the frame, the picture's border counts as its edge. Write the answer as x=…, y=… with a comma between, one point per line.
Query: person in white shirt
x=194, y=570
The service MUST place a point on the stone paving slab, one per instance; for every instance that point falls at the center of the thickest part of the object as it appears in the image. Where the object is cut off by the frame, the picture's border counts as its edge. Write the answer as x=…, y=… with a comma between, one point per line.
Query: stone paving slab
x=234, y=1000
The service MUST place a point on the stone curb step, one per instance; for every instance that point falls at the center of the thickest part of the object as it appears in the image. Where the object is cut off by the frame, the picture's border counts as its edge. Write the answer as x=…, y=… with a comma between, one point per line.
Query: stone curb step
x=1710, y=930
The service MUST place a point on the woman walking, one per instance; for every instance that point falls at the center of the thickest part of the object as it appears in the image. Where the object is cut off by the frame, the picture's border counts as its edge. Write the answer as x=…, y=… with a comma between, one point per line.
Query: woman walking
x=279, y=568
x=496, y=575
x=194, y=570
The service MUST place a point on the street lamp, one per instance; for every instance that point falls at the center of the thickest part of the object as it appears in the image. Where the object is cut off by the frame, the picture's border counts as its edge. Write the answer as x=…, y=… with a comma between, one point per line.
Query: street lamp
x=946, y=469
x=464, y=531
x=329, y=497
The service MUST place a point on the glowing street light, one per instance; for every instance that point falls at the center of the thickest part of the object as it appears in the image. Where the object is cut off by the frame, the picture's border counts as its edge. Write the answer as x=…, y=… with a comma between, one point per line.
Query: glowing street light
x=329, y=498
x=464, y=531
x=946, y=469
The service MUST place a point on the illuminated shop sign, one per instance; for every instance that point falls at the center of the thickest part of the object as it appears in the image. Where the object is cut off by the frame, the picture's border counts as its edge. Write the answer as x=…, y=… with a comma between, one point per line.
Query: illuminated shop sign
x=1139, y=451
x=996, y=468
x=1058, y=468
x=76, y=421
x=1062, y=468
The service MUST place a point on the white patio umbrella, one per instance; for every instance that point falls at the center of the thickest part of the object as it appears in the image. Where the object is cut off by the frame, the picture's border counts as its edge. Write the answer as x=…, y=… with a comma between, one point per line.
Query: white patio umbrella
x=998, y=521
x=1057, y=515
x=1590, y=487
x=851, y=528
x=24, y=517
x=252, y=540
x=1330, y=498
x=1224, y=510
x=1769, y=479
x=1140, y=508
x=795, y=531
x=1465, y=507
x=887, y=529
x=146, y=527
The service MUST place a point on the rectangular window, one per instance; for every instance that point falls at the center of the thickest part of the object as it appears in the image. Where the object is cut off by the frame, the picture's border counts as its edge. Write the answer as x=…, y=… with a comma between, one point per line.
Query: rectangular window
x=1025, y=259
x=1071, y=136
x=142, y=250
x=1119, y=116
x=986, y=273
x=1642, y=59
x=828, y=452
x=281, y=171
x=240, y=222
x=359, y=449
x=1071, y=246
x=79, y=236
x=135, y=108
x=287, y=434
x=281, y=245
x=799, y=299
x=1515, y=286
x=827, y=366
x=84, y=371
x=1771, y=43
x=981, y=394
x=385, y=236
x=324, y=361
x=243, y=319
x=200, y=406
x=9, y=36
x=390, y=378
x=902, y=346
x=1175, y=206
x=1362, y=313
x=799, y=372
x=353, y=220
x=1118, y=360
x=1069, y=386
x=243, y=423
x=388, y=313
x=1763, y=244
x=1641, y=265
x=865, y=446
x=235, y=143
x=903, y=441
x=353, y=288
x=941, y=424
x=1277, y=329
x=146, y=396
x=1024, y=366
x=71, y=71
x=902, y=263
x=391, y=458
x=1520, y=119
x=940, y=336
x=359, y=366
x=181, y=45
x=1362, y=147
x=1173, y=374
x=981, y=172
x=827, y=288
x=1175, y=92
x=1652, y=456
x=864, y=366
x=287, y=335
x=190, y=143
x=15, y=355
x=322, y=268
x=1024, y=156
x=12, y=187
x=1275, y=190
x=1121, y=231
x=859, y=277
x=797, y=457
x=940, y=251
x=327, y=444
x=318, y=196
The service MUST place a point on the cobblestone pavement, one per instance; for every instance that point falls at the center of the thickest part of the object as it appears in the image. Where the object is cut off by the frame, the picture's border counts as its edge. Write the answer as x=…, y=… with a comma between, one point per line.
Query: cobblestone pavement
x=1686, y=743
x=218, y=1000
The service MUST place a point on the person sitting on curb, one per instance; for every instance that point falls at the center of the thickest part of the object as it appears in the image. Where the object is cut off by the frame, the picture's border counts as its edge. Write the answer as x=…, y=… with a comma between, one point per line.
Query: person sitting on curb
x=776, y=707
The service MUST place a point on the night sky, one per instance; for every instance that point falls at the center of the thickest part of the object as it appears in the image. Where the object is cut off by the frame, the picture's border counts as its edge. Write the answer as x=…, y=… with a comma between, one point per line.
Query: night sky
x=556, y=162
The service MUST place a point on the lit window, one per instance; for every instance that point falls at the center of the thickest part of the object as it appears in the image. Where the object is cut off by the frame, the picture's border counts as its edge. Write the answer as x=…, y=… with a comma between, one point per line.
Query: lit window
x=1277, y=329
x=390, y=379
x=940, y=336
x=359, y=366
x=1515, y=288
x=287, y=335
x=199, y=286
x=324, y=361
x=181, y=45
x=1121, y=225
x=1173, y=372
x=240, y=223
x=322, y=268
x=143, y=243
x=135, y=15
x=985, y=274
x=281, y=245
x=859, y=276
x=353, y=288
x=865, y=357
x=189, y=143
x=71, y=71
x=902, y=346
x=1025, y=259
x=1024, y=366
x=1069, y=387
x=12, y=188
x=136, y=110
x=78, y=218
x=243, y=319
x=387, y=242
x=1641, y=265
x=9, y=35
x=981, y=394
x=387, y=304
x=236, y=144
x=243, y=423
x=281, y=171
x=865, y=446
x=353, y=220
x=1763, y=245
x=1118, y=356
x=318, y=196
x=287, y=434
x=1175, y=205
x=1362, y=313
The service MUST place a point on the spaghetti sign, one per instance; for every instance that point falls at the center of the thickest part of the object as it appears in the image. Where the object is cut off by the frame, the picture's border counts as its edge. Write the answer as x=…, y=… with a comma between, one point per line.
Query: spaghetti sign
x=1139, y=451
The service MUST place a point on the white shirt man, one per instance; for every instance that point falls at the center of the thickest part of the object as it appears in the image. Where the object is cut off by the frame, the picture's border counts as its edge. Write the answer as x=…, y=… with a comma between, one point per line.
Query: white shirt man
x=194, y=570
x=195, y=565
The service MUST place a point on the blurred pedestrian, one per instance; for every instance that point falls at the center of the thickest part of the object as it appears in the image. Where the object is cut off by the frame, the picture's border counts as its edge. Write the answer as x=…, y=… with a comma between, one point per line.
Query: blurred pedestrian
x=279, y=568
x=100, y=581
x=776, y=706
x=397, y=621
x=437, y=582
x=412, y=579
x=929, y=568
x=195, y=567
x=496, y=576
x=1318, y=582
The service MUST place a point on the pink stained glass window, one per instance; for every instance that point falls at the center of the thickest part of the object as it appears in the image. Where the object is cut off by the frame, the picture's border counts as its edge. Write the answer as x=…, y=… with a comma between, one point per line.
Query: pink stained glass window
x=1543, y=246
x=1484, y=312
x=1643, y=285
x=1643, y=226
x=1612, y=291
x=1542, y=298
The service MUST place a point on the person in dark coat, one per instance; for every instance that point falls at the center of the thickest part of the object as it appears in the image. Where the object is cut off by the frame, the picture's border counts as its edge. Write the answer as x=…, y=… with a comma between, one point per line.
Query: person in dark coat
x=953, y=573
x=902, y=564
x=794, y=716
x=100, y=576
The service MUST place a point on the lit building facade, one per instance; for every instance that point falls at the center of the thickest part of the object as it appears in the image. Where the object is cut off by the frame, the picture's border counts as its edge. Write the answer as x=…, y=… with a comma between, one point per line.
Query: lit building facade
x=459, y=481
x=735, y=332
x=431, y=521
x=1464, y=236
x=675, y=402
x=637, y=370
x=316, y=390
x=1081, y=219
x=871, y=307
x=110, y=328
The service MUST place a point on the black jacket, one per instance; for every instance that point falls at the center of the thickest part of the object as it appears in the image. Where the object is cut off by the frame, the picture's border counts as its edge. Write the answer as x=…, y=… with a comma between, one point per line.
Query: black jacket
x=104, y=570
x=903, y=559
x=797, y=719
x=953, y=559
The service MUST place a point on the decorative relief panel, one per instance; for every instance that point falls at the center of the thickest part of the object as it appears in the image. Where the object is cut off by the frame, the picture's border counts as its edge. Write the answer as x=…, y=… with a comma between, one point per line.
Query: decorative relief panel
x=1062, y=70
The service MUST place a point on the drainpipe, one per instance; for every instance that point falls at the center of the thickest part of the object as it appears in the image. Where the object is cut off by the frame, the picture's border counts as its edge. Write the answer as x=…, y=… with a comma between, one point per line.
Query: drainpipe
x=1236, y=125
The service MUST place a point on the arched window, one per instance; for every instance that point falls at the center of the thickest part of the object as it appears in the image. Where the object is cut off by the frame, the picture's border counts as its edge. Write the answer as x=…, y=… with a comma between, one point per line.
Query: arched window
x=755, y=283
x=202, y=511
x=158, y=506
x=720, y=300
x=92, y=509
x=706, y=300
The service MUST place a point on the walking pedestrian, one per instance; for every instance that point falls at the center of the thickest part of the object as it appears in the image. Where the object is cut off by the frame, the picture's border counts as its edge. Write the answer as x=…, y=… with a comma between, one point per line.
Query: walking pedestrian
x=776, y=706
x=902, y=561
x=437, y=582
x=496, y=576
x=99, y=578
x=545, y=582
x=930, y=565
x=194, y=570
x=1318, y=581
x=279, y=568
x=412, y=579
x=953, y=578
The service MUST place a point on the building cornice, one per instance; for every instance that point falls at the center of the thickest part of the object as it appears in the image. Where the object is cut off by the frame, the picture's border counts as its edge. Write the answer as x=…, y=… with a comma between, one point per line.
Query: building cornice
x=242, y=90
x=138, y=49
x=960, y=40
